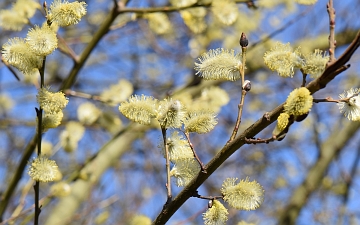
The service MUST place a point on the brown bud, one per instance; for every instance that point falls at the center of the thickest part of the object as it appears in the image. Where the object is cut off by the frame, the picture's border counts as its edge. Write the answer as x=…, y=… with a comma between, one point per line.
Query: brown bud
x=243, y=40
x=247, y=85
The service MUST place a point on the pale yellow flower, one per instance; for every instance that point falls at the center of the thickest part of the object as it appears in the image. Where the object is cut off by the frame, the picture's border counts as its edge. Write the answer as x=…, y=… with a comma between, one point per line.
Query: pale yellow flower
x=65, y=13
x=244, y=195
x=283, y=59
x=43, y=169
x=219, y=64
x=299, y=102
x=42, y=40
x=216, y=215
x=140, y=109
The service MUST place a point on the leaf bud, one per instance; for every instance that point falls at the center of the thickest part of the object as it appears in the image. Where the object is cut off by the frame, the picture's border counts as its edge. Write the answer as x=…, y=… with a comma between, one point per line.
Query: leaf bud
x=210, y=203
x=243, y=40
x=247, y=85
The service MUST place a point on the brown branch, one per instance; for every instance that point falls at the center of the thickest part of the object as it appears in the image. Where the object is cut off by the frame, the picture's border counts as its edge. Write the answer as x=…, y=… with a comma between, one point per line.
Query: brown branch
x=329, y=74
x=332, y=41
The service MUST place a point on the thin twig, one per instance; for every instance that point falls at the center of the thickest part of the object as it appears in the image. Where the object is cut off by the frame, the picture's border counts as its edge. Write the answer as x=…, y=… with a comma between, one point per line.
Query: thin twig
x=166, y=9
x=10, y=68
x=167, y=158
x=259, y=140
x=83, y=95
x=203, y=169
x=304, y=78
x=332, y=41
x=196, y=195
x=243, y=91
x=64, y=48
x=330, y=99
x=39, y=113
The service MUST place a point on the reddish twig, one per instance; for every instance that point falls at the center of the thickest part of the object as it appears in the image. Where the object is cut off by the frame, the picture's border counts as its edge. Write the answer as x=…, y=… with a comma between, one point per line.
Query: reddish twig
x=203, y=169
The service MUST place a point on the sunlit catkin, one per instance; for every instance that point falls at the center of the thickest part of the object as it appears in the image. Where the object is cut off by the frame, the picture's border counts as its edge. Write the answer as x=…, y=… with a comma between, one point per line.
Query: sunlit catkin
x=299, y=102
x=64, y=13
x=283, y=59
x=178, y=147
x=244, y=195
x=51, y=102
x=140, y=109
x=43, y=169
x=282, y=122
x=219, y=64
x=315, y=63
x=42, y=40
x=184, y=171
x=217, y=214
x=16, y=52
x=52, y=120
x=200, y=121
x=171, y=113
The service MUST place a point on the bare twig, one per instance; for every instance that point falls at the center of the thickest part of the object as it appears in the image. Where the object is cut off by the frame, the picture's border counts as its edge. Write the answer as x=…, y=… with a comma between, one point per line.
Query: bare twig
x=203, y=169
x=64, y=48
x=330, y=99
x=10, y=68
x=332, y=41
x=167, y=158
x=83, y=95
x=166, y=9
x=259, y=140
x=197, y=195
x=39, y=113
x=244, y=44
x=304, y=78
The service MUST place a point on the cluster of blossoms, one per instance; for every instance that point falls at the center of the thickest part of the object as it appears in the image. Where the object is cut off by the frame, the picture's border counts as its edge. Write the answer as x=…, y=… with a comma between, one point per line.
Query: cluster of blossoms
x=171, y=113
x=244, y=195
x=52, y=103
x=283, y=59
x=168, y=112
x=26, y=54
